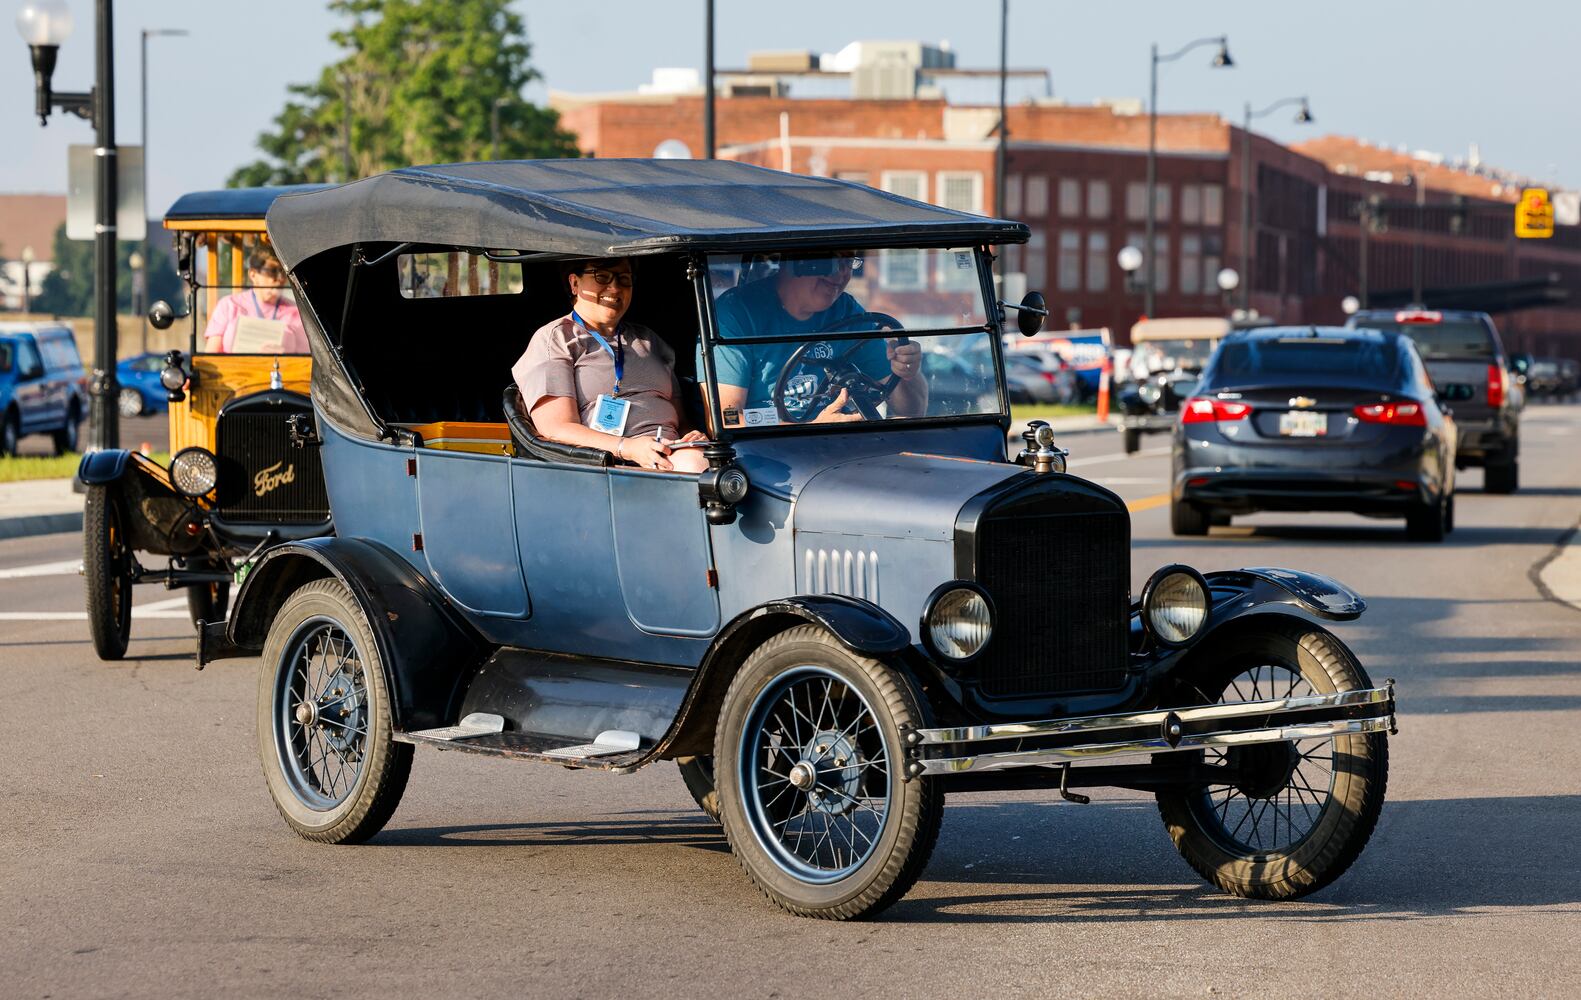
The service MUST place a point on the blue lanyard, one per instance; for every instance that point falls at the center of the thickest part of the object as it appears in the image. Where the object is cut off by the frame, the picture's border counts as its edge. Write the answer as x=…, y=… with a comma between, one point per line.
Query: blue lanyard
x=618, y=352
x=259, y=313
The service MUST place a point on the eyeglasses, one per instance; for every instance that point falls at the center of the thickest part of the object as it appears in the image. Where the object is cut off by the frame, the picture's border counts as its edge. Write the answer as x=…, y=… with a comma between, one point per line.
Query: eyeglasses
x=602, y=277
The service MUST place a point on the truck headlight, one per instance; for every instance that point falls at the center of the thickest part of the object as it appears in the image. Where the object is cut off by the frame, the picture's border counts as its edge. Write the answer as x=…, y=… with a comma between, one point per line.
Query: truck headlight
x=958, y=621
x=193, y=472
x=1175, y=604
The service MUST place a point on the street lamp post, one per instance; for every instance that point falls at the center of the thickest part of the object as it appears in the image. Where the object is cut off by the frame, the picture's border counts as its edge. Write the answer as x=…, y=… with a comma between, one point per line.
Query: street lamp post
x=1221, y=60
x=1001, y=152
x=1303, y=117
x=142, y=136
x=27, y=279
x=709, y=139
x=139, y=263
x=44, y=25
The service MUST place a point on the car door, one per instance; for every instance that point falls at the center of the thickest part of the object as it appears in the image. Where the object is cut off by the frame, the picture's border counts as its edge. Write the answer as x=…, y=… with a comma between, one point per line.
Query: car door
x=468, y=533
x=662, y=554
x=31, y=398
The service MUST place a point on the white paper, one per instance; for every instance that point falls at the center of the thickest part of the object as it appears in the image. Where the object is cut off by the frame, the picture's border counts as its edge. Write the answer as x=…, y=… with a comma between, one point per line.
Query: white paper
x=256, y=335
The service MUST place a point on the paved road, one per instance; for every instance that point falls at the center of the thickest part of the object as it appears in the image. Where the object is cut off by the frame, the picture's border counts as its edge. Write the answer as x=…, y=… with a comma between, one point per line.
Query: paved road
x=139, y=853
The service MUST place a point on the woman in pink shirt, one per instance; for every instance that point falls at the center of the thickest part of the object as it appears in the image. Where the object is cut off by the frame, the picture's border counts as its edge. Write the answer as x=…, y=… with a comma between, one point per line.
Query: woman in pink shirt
x=264, y=299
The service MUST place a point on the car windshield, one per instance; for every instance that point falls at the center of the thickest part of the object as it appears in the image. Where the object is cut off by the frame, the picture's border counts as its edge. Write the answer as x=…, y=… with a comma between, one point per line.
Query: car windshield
x=1443, y=340
x=243, y=302
x=1305, y=360
x=1165, y=355
x=788, y=347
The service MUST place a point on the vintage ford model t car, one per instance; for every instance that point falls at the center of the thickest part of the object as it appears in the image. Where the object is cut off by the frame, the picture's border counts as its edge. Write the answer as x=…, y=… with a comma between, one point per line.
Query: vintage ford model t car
x=1167, y=359
x=832, y=626
x=235, y=484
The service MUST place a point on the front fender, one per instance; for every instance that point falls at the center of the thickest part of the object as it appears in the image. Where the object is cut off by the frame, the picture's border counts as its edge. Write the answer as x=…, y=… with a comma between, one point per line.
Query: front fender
x=861, y=626
x=426, y=648
x=104, y=466
x=1319, y=595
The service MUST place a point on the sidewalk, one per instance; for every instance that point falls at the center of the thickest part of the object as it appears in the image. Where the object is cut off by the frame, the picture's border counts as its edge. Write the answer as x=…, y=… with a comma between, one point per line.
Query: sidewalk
x=39, y=507
x=1560, y=576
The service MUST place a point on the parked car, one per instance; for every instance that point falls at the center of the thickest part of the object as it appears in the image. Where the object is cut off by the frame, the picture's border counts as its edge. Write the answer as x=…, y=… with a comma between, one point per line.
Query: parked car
x=1315, y=418
x=141, y=390
x=1081, y=354
x=1032, y=378
x=237, y=481
x=1166, y=361
x=43, y=389
x=1569, y=378
x=832, y=627
x=1462, y=349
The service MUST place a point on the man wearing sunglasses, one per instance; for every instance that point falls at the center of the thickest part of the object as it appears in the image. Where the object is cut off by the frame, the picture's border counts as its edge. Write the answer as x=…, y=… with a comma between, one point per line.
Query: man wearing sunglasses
x=806, y=295
x=272, y=320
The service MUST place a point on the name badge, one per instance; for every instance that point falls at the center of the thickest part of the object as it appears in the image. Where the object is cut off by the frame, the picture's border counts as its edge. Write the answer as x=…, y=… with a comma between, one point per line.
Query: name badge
x=609, y=415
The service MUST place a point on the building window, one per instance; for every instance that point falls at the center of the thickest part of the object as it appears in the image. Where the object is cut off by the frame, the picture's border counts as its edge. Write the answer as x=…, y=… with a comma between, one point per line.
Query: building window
x=854, y=176
x=1160, y=269
x=1069, y=261
x=1212, y=255
x=1212, y=205
x=1097, y=261
x=1190, y=204
x=1161, y=202
x=906, y=183
x=1070, y=198
x=961, y=191
x=1191, y=276
x=1136, y=201
x=1037, y=195
x=1013, y=195
x=1036, y=260
x=1097, y=199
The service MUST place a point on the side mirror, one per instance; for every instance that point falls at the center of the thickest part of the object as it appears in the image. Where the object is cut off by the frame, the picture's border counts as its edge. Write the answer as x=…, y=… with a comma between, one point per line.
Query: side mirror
x=160, y=315
x=1031, y=313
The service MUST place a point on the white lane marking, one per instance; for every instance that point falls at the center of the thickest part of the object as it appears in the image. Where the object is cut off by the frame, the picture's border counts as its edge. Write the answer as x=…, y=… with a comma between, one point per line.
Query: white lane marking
x=65, y=567
x=1118, y=456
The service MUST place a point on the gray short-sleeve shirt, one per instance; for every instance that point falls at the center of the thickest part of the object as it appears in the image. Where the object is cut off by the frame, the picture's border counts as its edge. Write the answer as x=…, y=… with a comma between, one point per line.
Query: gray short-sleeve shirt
x=562, y=359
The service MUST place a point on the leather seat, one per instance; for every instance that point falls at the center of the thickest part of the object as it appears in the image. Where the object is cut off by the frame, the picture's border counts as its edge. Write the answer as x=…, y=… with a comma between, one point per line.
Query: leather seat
x=526, y=443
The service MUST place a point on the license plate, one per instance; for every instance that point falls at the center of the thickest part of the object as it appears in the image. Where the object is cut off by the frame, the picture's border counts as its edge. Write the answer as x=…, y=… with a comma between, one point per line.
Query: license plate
x=1303, y=424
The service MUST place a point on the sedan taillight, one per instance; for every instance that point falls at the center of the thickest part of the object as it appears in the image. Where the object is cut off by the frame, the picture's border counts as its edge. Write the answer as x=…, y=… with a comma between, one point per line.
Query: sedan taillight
x=1396, y=414
x=1206, y=410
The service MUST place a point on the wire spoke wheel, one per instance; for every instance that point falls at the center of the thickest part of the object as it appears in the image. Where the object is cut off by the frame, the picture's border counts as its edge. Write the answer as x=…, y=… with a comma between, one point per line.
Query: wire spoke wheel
x=1287, y=818
x=815, y=769
x=322, y=714
x=808, y=768
x=325, y=734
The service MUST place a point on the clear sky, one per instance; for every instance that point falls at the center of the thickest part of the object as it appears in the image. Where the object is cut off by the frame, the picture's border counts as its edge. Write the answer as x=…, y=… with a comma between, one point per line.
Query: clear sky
x=1428, y=74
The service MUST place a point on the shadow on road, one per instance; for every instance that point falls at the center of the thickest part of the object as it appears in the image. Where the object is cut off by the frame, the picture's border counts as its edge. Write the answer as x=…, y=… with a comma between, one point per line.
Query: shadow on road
x=634, y=827
x=1389, y=534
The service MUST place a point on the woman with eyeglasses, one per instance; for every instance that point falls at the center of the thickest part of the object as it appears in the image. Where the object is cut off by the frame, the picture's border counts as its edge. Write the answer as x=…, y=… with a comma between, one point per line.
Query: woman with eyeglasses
x=593, y=380
x=264, y=316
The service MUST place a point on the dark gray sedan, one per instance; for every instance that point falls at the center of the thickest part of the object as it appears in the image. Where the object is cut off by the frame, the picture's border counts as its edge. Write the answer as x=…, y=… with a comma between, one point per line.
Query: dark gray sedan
x=1315, y=418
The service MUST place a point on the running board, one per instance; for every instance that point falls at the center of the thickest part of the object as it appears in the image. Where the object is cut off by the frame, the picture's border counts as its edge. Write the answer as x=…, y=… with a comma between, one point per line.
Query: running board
x=566, y=751
x=1063, y=741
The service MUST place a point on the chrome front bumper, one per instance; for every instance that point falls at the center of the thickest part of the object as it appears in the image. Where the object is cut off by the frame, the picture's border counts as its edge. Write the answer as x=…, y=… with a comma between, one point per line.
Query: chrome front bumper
x=1083, y=738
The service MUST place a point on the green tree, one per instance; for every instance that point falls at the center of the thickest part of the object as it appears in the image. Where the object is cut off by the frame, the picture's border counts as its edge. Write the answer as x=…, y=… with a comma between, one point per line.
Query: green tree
x=417, y=84
x=67, y=290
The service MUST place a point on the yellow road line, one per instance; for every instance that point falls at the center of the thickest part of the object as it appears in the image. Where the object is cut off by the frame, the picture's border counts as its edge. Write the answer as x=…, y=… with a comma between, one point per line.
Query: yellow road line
x=1148, y=503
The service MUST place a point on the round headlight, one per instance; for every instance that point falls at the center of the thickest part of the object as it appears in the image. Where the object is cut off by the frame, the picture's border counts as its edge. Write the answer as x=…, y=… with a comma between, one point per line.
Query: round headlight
x=958, y=622
x=1175, y=604
x=1150, y=392
x=172, y=377
x=733, y=485
x=193, y=472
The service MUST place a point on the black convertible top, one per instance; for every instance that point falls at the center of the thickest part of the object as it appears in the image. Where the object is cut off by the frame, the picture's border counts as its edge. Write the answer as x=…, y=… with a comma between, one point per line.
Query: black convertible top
x=606, y=208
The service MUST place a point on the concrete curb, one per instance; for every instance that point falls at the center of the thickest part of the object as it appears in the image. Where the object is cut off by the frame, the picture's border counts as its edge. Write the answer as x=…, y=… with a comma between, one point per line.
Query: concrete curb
x=40, y=524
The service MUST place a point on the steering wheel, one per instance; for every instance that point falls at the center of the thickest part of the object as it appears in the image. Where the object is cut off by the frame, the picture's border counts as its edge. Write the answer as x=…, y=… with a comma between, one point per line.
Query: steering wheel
x=839, y=372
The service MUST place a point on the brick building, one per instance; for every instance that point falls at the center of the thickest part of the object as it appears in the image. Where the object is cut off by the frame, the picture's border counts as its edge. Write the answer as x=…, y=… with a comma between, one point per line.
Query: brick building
x=1077, y=176
x=27, y=228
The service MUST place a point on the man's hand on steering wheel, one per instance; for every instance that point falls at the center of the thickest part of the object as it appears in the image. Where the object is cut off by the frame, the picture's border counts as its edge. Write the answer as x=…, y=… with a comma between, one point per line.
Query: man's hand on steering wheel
x=905, y=358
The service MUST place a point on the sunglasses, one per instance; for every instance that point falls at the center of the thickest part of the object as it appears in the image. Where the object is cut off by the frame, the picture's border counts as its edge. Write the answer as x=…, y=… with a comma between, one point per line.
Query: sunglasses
x=606, y=278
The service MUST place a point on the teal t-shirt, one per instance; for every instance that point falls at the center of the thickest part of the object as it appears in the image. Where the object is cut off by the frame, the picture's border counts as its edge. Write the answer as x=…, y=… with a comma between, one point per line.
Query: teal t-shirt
x=754, y=310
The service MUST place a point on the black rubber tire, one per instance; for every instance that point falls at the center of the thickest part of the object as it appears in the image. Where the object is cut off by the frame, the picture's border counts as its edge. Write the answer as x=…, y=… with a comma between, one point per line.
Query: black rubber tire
x=911, y=829
x=1504, y=477
x=208, y=602
x=66, y=438
x=107, y=572
x=1132, y=440
x=10, y=434
x=379, y=784
x=697, y=773
x=1187, y=519
x=1427, y=522
x=1360, y=770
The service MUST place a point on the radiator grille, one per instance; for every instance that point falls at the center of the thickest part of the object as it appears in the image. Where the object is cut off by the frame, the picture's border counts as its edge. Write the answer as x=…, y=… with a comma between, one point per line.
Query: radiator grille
x=263, y=477
x=1060, y=585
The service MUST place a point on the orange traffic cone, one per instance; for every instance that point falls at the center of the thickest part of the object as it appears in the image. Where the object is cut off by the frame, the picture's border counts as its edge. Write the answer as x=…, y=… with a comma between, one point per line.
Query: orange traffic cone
x=1103, y=392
